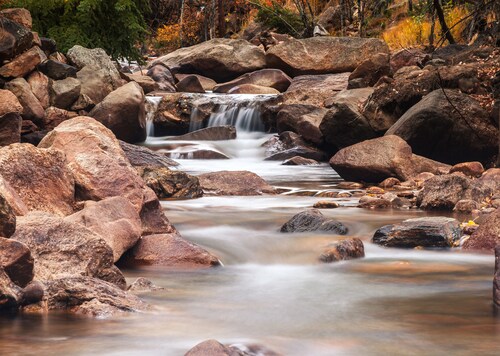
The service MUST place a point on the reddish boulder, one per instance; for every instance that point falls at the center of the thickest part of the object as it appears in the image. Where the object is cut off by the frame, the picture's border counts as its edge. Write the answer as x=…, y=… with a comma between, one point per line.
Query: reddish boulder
x=18, y=15
x=487, y=236
x=16, y=261
x=272, y=78
x=32, y=109
x=23, y=64
x=470, y=169
x=241, y=183
x=302, y=119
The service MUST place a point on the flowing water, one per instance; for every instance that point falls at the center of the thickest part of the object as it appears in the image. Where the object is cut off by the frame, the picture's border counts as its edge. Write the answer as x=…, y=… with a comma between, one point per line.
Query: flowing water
x=273, y=290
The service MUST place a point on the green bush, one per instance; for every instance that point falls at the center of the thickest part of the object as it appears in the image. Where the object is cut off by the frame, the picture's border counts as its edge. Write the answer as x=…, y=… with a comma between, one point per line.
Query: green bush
x=118, y=26
x=280, y=19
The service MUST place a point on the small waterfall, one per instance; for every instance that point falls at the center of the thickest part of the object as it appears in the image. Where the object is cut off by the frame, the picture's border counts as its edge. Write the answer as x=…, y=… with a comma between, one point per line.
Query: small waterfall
x=152, y=103
x=246, y=117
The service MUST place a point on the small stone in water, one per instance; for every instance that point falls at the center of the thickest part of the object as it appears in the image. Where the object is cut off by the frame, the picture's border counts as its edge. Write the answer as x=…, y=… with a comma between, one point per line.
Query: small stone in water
x=324, y=204
x=347, y=249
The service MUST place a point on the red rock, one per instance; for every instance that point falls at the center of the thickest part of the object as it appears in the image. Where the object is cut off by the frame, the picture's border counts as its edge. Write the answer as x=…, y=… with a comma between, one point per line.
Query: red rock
x=241, y=183
x=23, y=64
x=16, y=261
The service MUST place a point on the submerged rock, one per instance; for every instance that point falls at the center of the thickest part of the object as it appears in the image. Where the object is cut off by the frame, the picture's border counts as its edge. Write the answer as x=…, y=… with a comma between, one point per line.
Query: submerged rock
x=142, y=284
x=242, y=183
x=346, y=249
x=313, y=220
x=215, y=348
x=420, y=232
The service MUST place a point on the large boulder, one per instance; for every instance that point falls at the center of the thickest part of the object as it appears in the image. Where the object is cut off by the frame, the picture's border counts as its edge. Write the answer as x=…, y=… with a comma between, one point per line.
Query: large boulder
x=32, y=109
x=114, y=219
x=313, y=220
x=63, y=93
x=241, y=183
x=95, y=58
x=167, y=183
x=380, y=158
x=62, y=248
x=14, y=39
x=420, y=232
x=273, y=78
x=16, y=261
x=123, y=112
x=221, y=59
x=23, y=64
x=450, y=127
x=302, y=119
x=315, y=89
x=102, y=170
x=321, y=55
x=95, y=83
x=40, y=177
x=10, y=118
x=7, y=218
x=169, y=250
x=253, y=89
x=487, y=236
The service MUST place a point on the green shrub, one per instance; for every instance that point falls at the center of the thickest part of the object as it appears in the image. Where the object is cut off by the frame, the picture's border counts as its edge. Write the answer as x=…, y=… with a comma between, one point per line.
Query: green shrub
x=280, y=19
x=118, y=26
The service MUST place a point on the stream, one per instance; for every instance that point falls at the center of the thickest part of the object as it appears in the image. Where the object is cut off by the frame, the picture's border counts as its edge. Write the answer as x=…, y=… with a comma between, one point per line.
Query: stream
x=274, y=291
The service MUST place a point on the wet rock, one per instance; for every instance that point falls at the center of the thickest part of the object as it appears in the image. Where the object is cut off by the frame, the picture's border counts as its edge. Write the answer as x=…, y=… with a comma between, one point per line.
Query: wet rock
x=14, y=39
x=163, y=77
x=299, y=161
x=443, y=192
x=370, y=71
x=142, y=284
x=389, y=182
x=16, y=261
x=325, y=204
x=97, y=59
x=240, y=183
x=23, y=64
x=54, y=116
x=140, y=156
x=96, y=83
x=320, y=55
x=123, y=112
x=315, y=89
x=313, y=220
x=39, y=84
x=32, y=109
x=62, y=248
x=271, y=78
x=114, y=219
x=85, y=141
x=470, y=169
x=303, y=120
x=252, y=89
x=196, y=152
x=206, y=83
x=40, y=177
x=169, y=250
x=90, y=296
x=190, y=84
x=220, y=59
x=342, y=250
x=212, y=348
x=455, y=137
x=487, y=236
x=168, y=183
x=370, y=202
x=57, y=70
x=18, y=15
x=419, y=232
x=288, y=145
x=466, y=206
x=216, y=133
x=10, y=294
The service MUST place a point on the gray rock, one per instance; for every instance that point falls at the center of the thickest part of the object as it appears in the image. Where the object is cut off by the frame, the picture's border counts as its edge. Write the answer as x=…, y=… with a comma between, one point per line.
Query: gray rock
x=313, y=220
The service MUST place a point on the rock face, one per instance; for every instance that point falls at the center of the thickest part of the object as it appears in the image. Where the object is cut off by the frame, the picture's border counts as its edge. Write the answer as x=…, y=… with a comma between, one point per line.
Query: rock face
x=169, y=250
x=313, y=220
x=216, y=133
x=315, y=89
x=114, y=219
x=342, y=250
x=168, y=183
x=487, y=236
x=241, y=183
x=420, y=232
x=32, y=109
x=321, y=55
x=377, y=159
x=271, y=78
x=220, y=59
x=62, y=248
x=303, y=120
x=23, y=64
x=140, y=156
x=40, y=177
x=443, y=192
x=101, y=169
x=7, y=218
x=123, y=112
x=435, y=129
x=14, y=39
x=16, y=261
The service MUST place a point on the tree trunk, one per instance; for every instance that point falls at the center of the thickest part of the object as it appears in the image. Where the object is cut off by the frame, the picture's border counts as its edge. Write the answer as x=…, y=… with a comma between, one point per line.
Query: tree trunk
x=222, y=22
x=442, y=22
x=181, y=22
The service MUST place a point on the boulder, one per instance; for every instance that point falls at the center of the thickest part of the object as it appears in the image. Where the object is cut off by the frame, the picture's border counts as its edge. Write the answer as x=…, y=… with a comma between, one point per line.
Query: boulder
x=408, y=57
x=101, y=169
x=221, y=59
x=487, y=236
x=435, y=129
x=49, y=46
x=393, y=158
x=90, y=296
x=63, y=93
x=18, y=15
x=271, y=78
x=39, y=84
x=303, y=120
x=315, y=89
x=147, y=84
x=7, y=218
x=343, y=124
x=470, y=169
x=242, y=183
x=215, y=133
x=466, y=206
x=206, y=83
x=420, y=232
x=190, y=84
x=83, y=103
x=57, y=70
x=321, y=55
x=23, y=64
x=252, y=89
x=96, y=83
x=370, y=71
x=299, y=161
x=346, y=249
x=211, y=348
x=97, y=59
x=62, y=248
x=16, y=261
x=10, y=118
x=9, y=103
x=10, y=294
x=331, y=17
x=40, y=177
x=161, y=74
x=326, y=204
x=123, y=112
x=13, y=199
x=168, y=183
x=169, y=250
x=313, y=220
x=288, y=145
x=54, y=116
x=14, y=39
x=140, y=156
x=114, y=219
x=32, y=109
